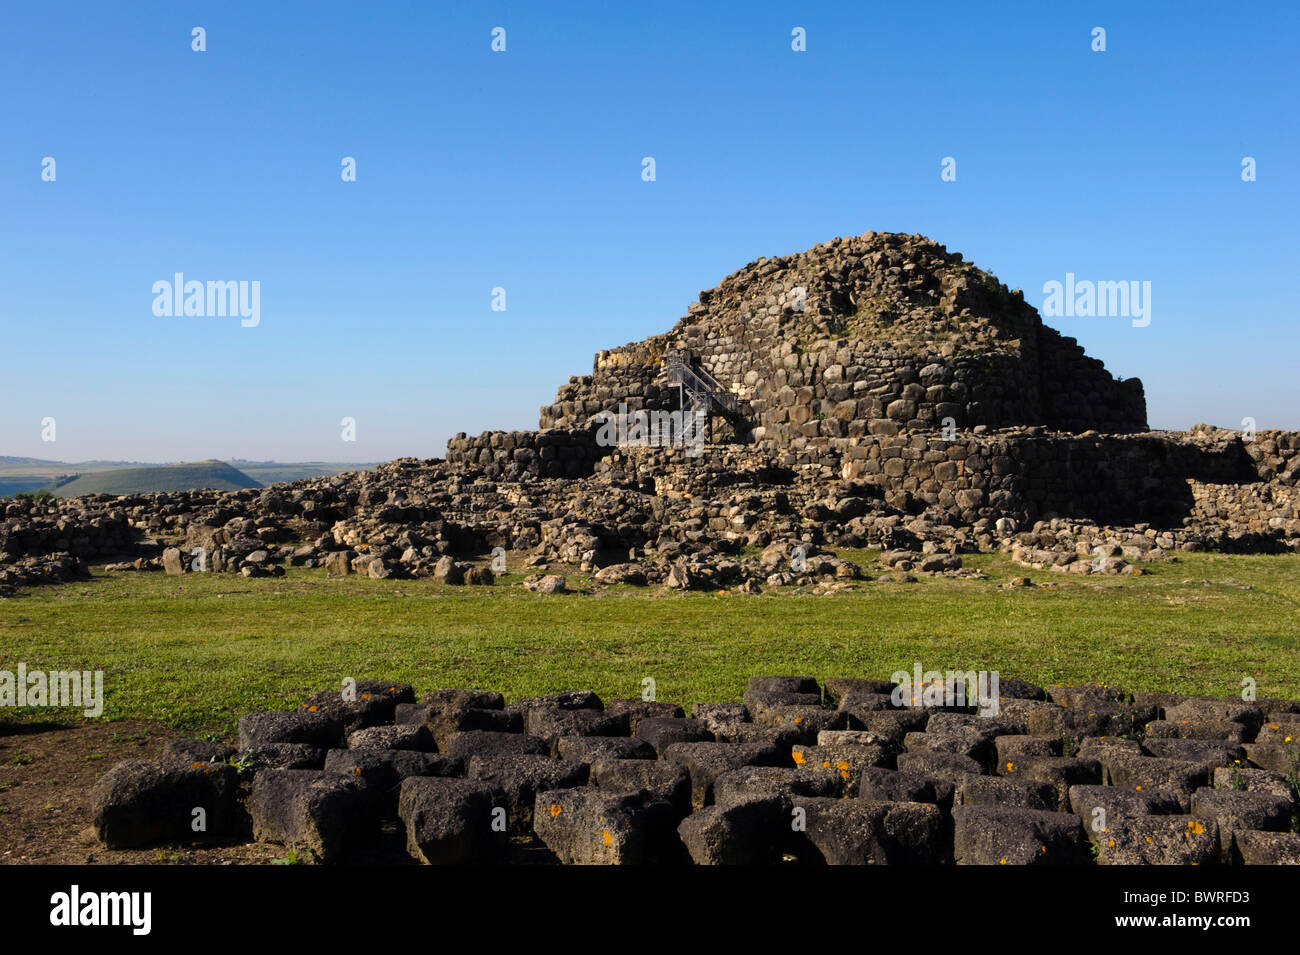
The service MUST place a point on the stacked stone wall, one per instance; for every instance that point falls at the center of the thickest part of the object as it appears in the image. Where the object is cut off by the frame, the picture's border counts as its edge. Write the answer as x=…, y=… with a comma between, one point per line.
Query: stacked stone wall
x=509, y=455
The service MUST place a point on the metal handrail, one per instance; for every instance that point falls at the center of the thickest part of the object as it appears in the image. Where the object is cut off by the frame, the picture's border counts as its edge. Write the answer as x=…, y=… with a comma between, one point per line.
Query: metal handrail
x=702, y=387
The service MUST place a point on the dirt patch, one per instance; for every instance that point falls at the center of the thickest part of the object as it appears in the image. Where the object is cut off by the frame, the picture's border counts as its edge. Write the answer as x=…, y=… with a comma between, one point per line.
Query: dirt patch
x=47, y=771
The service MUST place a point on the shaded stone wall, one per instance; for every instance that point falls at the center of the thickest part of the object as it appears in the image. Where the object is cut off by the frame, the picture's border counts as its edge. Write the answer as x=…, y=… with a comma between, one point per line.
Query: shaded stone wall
x=508, y=455
x=1031, y=474
x=1160, y=478
x=37, y=527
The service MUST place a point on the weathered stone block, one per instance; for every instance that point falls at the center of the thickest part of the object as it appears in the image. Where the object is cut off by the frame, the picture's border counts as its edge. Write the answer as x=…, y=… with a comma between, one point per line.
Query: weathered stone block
x=1004, y=835
x=140, y=802
x=452, y=821
x=326, y=813
x=587, y=826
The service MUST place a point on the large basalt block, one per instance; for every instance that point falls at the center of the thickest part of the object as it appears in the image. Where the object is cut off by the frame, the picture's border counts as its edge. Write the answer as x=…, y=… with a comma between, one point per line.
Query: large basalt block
x=141, y=802
x=1101, y=806
x=453, y=821
x=1004, y=835
x=888, y=785
x=1059, y=772
x=747, y=832
x=589, y=826
x=1152, y=773
x=384, y=769
x=303, y=726
x=662, y=732
x=866, y=832
x=409, y=736
x=367, y=703
x=1159, y=840
x=489, y=744
x=1235, y=809
x=552, y=722
x=1265, y=848
x=324, y=812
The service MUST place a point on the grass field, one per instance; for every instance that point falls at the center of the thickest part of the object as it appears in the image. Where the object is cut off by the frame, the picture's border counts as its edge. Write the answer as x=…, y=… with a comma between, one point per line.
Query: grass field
x=197, y=652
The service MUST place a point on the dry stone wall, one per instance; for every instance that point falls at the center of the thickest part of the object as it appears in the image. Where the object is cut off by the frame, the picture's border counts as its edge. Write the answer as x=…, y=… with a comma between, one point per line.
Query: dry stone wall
x=1032, y=473
x=509, y=455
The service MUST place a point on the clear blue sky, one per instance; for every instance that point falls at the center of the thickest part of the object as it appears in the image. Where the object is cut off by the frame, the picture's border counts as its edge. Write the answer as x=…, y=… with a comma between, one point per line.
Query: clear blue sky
x=523, y=170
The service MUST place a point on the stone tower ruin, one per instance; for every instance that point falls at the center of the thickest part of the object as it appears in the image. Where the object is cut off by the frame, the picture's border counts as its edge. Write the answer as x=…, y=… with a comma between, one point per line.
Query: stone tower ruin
x=868, y=335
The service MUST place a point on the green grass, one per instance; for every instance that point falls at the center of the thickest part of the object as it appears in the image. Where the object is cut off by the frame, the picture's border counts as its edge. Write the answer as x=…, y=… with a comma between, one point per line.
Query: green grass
x=197, y=652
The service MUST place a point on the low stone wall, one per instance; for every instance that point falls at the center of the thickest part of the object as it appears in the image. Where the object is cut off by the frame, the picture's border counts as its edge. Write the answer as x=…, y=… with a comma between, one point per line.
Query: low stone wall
x=44, y=527
x=508, y=455
x=1249, y=508
x=1031, y=473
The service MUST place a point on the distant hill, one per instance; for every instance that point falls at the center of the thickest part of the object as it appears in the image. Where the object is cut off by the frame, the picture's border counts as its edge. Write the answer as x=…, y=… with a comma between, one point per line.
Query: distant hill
x=18, y=475
x=6, y=459
x=216, y=475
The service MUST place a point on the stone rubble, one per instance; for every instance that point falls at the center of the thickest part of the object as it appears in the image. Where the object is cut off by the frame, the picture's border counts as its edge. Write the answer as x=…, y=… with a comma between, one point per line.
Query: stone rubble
x=808, y=772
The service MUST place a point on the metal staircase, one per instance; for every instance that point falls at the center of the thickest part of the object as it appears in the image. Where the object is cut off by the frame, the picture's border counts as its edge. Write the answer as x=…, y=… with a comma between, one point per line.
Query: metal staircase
x=700, y=391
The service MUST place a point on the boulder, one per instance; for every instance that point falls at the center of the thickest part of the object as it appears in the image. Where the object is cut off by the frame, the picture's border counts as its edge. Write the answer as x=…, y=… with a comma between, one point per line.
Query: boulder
x=452, y=821
x=323, y=812
x=588, y=826
x=1006, y=835
x=141, y=803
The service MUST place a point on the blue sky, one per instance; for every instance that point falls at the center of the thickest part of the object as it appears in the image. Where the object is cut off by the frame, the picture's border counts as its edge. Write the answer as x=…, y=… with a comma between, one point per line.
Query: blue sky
x=523, y=170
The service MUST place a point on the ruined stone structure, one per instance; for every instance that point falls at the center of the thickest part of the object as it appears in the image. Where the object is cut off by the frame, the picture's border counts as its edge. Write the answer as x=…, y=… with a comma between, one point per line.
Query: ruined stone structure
x=866, y=336
x=885, y=394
